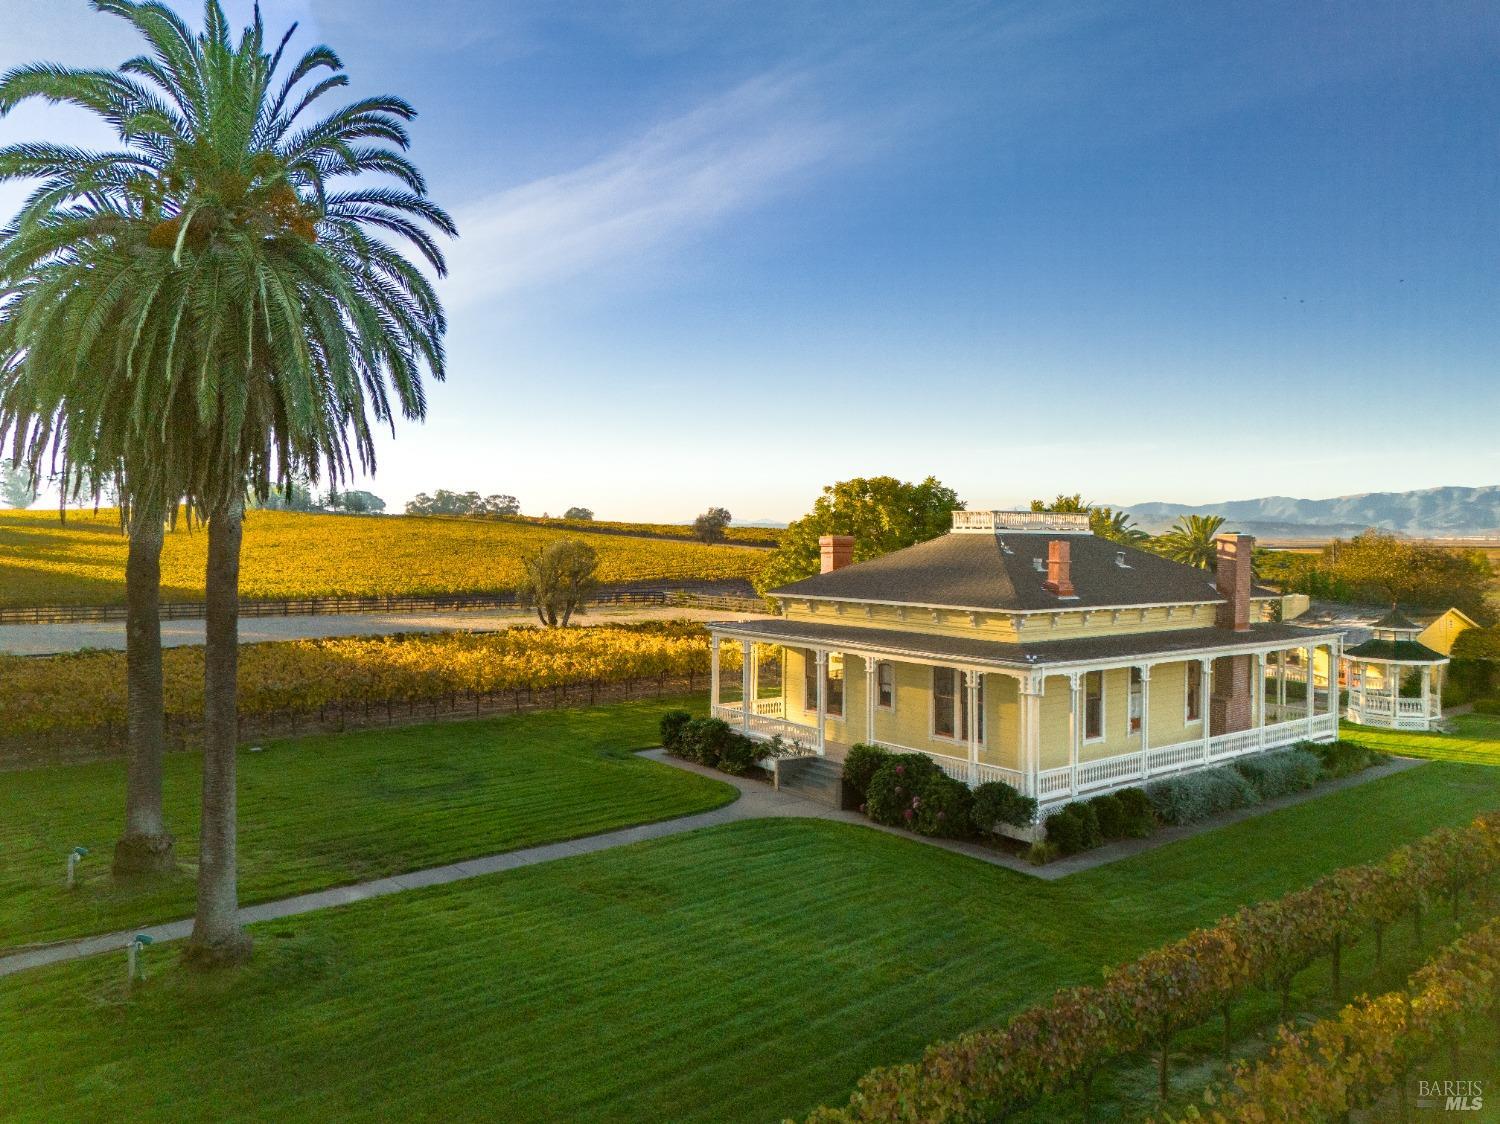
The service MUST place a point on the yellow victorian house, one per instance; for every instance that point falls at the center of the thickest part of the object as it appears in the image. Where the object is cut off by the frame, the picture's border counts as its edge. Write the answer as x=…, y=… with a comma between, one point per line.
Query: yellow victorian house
x=1022, y=648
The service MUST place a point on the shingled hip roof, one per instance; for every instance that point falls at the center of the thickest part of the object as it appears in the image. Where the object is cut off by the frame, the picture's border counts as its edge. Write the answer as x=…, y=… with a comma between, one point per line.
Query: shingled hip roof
x=1000, y=572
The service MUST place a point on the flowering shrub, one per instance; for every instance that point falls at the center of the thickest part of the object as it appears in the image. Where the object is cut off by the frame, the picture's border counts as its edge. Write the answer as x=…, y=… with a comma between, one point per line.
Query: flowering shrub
x=894, y=796
x=945, y=809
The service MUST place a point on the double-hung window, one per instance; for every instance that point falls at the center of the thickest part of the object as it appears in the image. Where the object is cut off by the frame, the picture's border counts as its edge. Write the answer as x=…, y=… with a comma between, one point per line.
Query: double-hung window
x=885, y=686
x=1194, y=701
x=834, y=699
x=950, y=705
x=1137, y=699
x=1093, y=706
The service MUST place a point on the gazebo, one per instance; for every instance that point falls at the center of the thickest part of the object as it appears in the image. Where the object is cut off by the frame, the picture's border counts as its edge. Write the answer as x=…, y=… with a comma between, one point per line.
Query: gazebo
x=1376, y=670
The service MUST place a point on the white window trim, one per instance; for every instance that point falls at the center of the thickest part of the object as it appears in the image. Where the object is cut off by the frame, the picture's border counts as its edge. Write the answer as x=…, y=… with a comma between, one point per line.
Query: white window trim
x=889, y=708
x=1187, y=693
x=960, y=689
x=1083, y=718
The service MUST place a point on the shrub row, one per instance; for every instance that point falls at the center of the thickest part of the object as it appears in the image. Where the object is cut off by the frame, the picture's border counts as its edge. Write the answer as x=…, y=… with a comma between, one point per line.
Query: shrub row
x=909, y=790
x=1350, y=1060
x=1193, y=797
x=1142, y=1005
x=1084, y=824
x=1487, y=706
x=710, y=741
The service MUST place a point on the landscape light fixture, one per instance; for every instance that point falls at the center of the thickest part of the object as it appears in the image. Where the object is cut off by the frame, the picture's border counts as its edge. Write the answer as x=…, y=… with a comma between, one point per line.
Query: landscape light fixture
x=135, y=966
x=75, y=856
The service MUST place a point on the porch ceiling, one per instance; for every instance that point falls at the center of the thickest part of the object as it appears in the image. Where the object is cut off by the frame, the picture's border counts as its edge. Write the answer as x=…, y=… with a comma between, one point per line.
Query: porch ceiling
x=1036, y=653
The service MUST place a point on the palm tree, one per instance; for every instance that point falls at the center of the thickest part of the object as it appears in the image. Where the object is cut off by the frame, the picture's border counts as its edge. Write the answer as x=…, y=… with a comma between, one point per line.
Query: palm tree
x=53, y=391
x=251, y=321
x=1191, y=541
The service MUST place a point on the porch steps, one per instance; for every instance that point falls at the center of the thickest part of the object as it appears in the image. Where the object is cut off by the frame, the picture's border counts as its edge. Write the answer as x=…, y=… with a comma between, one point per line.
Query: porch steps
x=816, y=778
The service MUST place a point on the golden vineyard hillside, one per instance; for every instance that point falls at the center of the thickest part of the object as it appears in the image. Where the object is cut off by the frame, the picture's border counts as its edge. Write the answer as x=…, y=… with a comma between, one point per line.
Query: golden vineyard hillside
x=81, y=561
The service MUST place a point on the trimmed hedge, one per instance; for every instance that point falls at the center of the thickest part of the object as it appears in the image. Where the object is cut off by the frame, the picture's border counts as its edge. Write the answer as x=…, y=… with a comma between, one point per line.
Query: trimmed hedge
x=996, y=803
x=1193, y=797
x=712, y=742
x=1487, y=706
x=1074, y=828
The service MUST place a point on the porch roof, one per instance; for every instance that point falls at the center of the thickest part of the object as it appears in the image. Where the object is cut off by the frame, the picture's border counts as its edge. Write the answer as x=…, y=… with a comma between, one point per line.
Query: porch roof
x=1037, y=653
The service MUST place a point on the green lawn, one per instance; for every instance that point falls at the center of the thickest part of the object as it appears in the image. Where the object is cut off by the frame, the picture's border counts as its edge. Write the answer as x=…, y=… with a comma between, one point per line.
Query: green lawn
x=1475, y=739
x=329, y=809
x=746, y=972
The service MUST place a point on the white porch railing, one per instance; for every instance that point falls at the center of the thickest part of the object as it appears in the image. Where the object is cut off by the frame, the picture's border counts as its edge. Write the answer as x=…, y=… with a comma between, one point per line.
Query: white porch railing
x=962, y=769
x=766, y=721
x=1405, y=714
x=1102, y=774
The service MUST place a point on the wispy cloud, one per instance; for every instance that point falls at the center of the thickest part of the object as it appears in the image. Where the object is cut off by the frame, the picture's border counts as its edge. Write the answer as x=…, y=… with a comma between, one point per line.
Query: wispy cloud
x=673, y=181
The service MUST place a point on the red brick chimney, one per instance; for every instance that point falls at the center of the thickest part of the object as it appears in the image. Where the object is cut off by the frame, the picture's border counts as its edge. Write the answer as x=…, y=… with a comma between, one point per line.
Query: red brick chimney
x=838, y=552
x=1059, y=569
x=1233, y=579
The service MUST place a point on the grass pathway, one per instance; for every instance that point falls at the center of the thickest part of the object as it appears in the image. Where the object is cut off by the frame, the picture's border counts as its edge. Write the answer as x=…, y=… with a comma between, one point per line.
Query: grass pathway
x=743, y=972
x=328, y=810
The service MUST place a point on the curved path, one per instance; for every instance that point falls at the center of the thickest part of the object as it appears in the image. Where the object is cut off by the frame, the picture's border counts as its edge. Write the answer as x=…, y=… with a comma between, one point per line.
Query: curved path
x=757, y=800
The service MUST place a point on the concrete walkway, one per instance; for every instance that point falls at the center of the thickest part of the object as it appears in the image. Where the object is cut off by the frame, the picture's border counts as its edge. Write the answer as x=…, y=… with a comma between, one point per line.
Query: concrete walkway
x=52, y=639
x=756, y=800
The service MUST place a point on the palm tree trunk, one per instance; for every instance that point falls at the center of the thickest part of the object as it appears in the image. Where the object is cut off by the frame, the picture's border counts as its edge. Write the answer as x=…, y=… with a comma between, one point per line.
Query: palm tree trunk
x=217, y=938
x=146, y=847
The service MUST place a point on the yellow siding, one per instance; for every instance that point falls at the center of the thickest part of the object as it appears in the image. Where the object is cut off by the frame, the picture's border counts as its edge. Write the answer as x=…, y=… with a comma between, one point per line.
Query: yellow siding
x=910, y=723
x=1441, y=633
x=1002, y=627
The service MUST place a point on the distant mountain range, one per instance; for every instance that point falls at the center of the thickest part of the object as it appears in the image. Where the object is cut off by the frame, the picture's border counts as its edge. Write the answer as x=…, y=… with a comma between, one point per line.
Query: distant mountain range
x=1433, y=513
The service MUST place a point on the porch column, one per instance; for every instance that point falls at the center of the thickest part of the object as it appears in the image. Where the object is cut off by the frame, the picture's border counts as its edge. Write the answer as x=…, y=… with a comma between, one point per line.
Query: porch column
x=1312, y=693
x=713, y=674
x=1032, y=686
x=1145, y=719
x=971, y=686
x=1440, y=677
x=1281, y=681
x=1075, y=725
x=1260, y=695
x=747, y=684
x=870, y=698
x=822, y=739
x=1427, y=692
x=1206, y=682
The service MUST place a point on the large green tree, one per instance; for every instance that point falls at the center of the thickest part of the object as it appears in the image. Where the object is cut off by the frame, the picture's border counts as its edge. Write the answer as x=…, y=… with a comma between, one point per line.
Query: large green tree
x=249, y=315
x=882, y=513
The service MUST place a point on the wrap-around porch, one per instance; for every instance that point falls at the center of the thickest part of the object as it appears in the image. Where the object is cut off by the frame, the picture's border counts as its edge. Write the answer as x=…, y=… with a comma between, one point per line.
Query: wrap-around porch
x=1055, y=732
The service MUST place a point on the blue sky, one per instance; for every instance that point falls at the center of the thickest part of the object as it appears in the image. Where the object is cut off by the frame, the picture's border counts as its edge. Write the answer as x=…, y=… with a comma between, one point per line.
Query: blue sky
x=727, y=253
